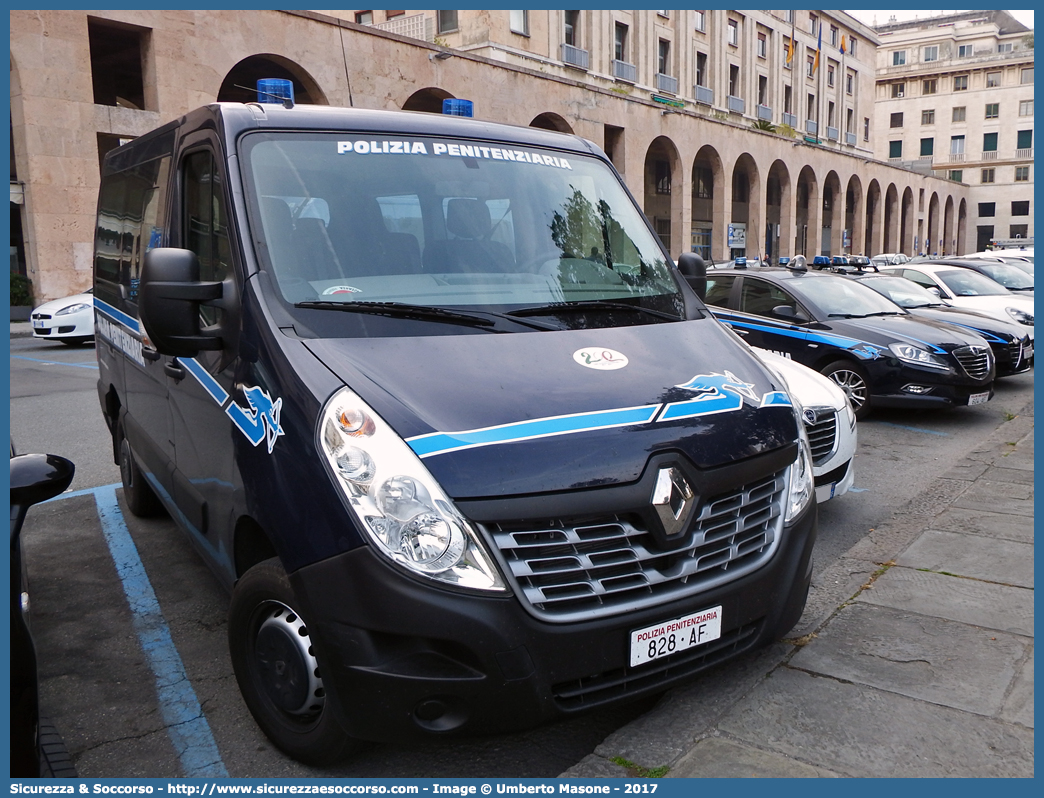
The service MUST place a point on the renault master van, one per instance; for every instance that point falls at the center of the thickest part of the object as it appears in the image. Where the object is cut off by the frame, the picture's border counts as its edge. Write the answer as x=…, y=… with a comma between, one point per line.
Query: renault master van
x=430, y=398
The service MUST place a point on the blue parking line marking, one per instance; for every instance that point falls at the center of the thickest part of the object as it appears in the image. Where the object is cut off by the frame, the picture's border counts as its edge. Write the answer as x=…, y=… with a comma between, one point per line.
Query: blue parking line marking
x=56, y=362
x=915, y=429
x=186, y=724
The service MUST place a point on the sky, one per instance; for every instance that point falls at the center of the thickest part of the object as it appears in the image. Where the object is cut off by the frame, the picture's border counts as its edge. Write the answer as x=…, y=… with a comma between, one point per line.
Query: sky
x=867, y=17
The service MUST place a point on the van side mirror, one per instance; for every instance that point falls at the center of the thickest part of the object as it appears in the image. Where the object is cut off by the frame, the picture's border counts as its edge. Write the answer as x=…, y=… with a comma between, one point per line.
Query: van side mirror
x=36, y=478
x=169, y=296
x=694, y=270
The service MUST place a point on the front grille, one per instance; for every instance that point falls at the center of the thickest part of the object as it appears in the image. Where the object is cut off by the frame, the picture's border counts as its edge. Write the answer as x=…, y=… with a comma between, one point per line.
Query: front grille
x=822, y=436
x=974, y=359
x=597, y=689
x=1015, y=354
x=576, y=570
x=42, y=330
x=41, y=315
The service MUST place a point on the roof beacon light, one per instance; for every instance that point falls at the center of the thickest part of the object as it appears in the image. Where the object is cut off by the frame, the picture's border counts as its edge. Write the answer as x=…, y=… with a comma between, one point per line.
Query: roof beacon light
x=275, y=91
x=458, y=107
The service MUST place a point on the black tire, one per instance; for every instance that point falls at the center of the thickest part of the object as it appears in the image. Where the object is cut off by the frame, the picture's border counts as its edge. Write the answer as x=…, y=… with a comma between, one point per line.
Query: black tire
x=140, y=498
x=851, y=378
x=277, y=672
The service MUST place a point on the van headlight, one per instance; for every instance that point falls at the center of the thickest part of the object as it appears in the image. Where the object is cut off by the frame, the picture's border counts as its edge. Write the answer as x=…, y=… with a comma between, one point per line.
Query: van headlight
x=802, y=485
x=394, y=498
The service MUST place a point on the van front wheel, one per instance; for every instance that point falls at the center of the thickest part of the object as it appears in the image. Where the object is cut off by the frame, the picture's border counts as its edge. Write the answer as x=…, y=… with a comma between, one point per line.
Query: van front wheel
x=141, y=499
x=278, y=674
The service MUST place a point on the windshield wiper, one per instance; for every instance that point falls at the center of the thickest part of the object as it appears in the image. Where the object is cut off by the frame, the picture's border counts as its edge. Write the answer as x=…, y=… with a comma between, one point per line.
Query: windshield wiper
x=591, y=304
x=404, y=310
x=863, y=315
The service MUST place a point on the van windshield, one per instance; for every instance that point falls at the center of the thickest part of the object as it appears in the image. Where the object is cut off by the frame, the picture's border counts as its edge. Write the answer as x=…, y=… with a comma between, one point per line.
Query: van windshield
x=459, y=224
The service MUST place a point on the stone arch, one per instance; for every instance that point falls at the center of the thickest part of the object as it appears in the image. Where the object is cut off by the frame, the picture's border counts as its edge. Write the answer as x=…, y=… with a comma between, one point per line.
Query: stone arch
x=906, y=224
x=891, y=219
x=551, y=121
x=874, y=232
x=855, y=218
x=746, y=206
x=806, y=213
x=779, y=212
x=240, y=82
x=949, y=237
x=428, y=100
x=833, y=214
x=709, y=221
x=933, y=235
x=659, y=201
x=962, y=227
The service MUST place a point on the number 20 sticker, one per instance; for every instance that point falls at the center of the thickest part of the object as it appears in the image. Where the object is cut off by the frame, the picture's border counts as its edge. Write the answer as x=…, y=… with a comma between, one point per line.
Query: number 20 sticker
x=594, y=357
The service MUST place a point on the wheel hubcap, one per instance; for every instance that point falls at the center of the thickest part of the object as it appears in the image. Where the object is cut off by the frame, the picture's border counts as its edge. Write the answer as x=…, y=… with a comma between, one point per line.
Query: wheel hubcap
x=286, y=666
x=853, y=386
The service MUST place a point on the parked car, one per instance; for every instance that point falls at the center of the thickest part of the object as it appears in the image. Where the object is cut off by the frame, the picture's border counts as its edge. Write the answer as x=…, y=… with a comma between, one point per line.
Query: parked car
x=1015, y=280
x=1012, y=345
x=880, y=355
x=34, y=478
x=968, y=289
x=829, y=421
x=889, y=259
x=69, y=320
x=1020, y=259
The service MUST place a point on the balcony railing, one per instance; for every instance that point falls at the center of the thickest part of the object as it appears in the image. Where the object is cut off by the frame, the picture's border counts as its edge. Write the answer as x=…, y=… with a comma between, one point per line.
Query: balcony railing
x=1024, y=153
x=850, y=139
x=926, y=159
x=624, y=71
x=765, y=112
x=704, y=96
x=790, y=120
x=574, y=56
x=811, y=127
x=737, y=104
x=956, y=157
x=415, y=26
x=989, y=155
x=666, y=83
x=833, y=133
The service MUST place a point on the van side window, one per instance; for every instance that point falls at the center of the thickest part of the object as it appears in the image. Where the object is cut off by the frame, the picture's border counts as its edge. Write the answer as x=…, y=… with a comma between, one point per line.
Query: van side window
x=206, y=222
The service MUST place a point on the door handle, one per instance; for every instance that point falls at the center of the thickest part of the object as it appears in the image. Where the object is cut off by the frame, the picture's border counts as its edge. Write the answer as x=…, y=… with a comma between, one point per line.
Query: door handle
x=740, y=331
x=174, y=370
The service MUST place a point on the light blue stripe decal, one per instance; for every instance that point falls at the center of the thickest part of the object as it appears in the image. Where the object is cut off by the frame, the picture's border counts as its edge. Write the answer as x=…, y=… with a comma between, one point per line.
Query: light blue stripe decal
x=443, y=442
x=859, y=348
x=210, y=385
x=716, y=393
x=776, y=399
x=984, y=333
x=186, y=724
x=117, y=315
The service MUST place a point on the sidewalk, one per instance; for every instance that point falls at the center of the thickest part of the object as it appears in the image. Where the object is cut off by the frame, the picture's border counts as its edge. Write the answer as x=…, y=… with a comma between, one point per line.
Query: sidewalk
x=21, y=329
x=914, y=657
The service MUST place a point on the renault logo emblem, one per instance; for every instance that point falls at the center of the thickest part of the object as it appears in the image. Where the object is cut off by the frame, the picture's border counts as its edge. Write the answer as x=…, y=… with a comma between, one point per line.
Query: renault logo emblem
x=673, y=499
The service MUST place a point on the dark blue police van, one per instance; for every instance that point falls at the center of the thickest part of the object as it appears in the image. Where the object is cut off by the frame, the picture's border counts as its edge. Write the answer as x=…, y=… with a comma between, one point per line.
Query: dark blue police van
x=431, y=400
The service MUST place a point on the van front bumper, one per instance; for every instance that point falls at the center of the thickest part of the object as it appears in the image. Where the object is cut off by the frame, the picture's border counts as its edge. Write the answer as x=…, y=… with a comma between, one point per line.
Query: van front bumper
x=403, y=658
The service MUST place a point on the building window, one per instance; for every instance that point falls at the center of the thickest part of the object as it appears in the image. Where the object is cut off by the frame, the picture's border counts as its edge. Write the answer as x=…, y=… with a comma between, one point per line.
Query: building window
x=833, y=35
x=1018, y=231
x=927, y=147
x=1024, y=140
x=928, y=117
x=1026, y=76
x=788, y=16
x=898, y=57
x=1004, y=47
x=992, y=110
x=896, y=120
x=830, y=75
x=762, y=45
x=898, y=90
x=866, y=128
x=989, y=142
x=364, y=17
x=665, y=14
x=1026, y=108
x=702, y=183
x=447, y=21
x=810, y=66
x=118, y=56
x=956, y=145
x=993, y=79
x=931, y=53
x=663, y=177
x=929, y=86
x=958, y=113
x=852, y=47
x=956, y=175
x=830, y=115
x=393, y=14
x=733, y=32
x=960, y=83
x=1021, y=174
x=786, y=52
x=762, y=90
x=620, y=45
x=663, y=57
x=734, y=79
x=813, y=24
x=895, y=149
x=987, y=210
x=701, y=69
x=572, y=28
x=1020, y=208
x=965, y=50
x=520, y=22
x=849, y=83
x=701, y=21
x=988, y=175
